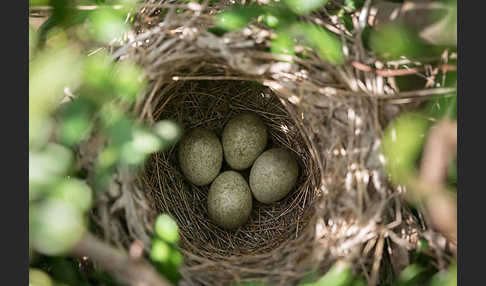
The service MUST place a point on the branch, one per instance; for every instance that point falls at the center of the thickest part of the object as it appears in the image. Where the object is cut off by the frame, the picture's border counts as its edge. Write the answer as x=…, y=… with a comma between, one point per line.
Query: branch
x=125, y=269
x=398, y=72
x=439, y=151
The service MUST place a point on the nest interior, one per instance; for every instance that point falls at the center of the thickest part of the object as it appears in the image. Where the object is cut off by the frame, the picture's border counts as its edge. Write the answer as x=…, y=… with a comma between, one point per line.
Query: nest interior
x=343, y=208
x=211, y=104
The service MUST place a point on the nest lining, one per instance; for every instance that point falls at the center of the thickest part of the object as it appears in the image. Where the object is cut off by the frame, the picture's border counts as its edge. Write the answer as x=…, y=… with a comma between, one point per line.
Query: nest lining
x=211, y=104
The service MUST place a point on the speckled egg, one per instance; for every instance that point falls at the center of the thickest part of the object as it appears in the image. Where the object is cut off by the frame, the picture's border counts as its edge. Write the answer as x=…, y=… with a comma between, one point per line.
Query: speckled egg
x=273, y=175
x=229, y=200
x=244, y=139
x=200, y=156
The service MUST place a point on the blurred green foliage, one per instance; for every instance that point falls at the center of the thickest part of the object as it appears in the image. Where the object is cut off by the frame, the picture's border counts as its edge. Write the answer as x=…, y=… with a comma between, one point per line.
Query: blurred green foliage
x=445, y=278
x=165, y=252
x=402, y=144
x=71, y=94
x=339, y=275
x=55, y=225
x=327, y=45
x=283, y=17
x=38, y=277
x=107, y=24
x=237, y=18
x=304, y=7
x=394, y=41
x=70, y=271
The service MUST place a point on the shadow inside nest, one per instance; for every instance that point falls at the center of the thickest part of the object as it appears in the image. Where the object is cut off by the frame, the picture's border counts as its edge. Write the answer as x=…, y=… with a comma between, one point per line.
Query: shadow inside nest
x=211, y=104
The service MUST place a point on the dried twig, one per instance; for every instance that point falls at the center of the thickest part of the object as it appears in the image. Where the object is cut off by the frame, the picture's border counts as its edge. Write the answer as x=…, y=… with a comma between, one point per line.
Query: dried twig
x=439, y=151
x=126, y=270
x=398, y=72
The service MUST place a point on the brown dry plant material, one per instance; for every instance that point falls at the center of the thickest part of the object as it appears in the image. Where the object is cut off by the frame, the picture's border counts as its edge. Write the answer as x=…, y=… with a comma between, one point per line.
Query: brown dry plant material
x=331, y=118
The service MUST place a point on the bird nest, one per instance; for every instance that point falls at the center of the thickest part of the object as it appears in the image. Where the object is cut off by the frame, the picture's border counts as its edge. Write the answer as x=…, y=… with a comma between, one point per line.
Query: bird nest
x=331, y=117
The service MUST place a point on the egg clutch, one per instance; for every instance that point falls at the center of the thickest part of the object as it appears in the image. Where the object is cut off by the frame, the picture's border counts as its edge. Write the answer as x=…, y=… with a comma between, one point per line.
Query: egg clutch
x=273, y=172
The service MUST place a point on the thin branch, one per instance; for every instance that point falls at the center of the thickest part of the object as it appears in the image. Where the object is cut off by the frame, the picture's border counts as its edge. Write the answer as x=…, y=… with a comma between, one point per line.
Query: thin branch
x=398, y=72
x=79, y=7
x=439, y=151
x=420, y=93
x=126, y=270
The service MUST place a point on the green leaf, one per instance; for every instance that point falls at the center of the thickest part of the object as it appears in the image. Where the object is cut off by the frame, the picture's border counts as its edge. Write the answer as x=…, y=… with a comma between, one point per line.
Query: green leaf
x=359, y=282
x=409, y=273
x=48, y=165
x=75, y=192
x=74, y=128
x=166, y=228
x=423, y=245
x=270, y=20
x=39, y=2
x=145, y=142
x=108, y=157
x=110, y=113
x=107, y=25
x=160, y=251
x=339, y=275
x=121, y=131
x=327, y=45
x=445, y=278
x=38, y=277
x=49, y=74
x=393, y=41
x=354, y=4
x=347, y=20
x=75, y=121
x=443, y=107
x=40, y=128
x=283, y=44
x=128, y=80
x=238, y=17
x=278, y=16
x=55, y=226
x=175, y=258
x=402, y=143
x=303, y=7
x=98, y=75
x=168, y=130
x=142, y=144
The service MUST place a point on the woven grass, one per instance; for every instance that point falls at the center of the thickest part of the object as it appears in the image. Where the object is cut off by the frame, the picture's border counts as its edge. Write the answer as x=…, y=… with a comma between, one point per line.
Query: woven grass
x=343, y=207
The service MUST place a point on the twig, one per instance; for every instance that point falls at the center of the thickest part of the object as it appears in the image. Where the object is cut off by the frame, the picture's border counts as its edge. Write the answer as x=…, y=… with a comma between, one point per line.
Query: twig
x=439, y=151
x=237, y=78
x=125, y=270
x=419, y=93
x=79, y=7
x=398, y=72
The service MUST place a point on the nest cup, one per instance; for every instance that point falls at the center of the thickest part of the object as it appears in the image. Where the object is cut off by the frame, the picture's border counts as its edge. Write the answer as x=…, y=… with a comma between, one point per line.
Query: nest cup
x=343, y=207
x=211, y=104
